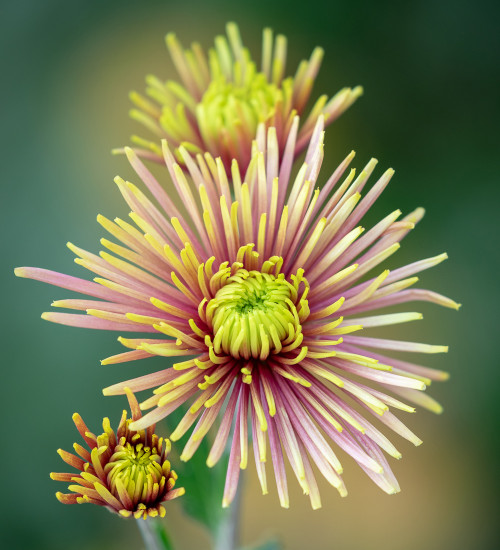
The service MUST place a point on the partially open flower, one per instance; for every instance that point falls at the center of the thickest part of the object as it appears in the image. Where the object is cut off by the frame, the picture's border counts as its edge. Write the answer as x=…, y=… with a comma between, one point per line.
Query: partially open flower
x=260, y=297
x=127, y=471
x=225, y=98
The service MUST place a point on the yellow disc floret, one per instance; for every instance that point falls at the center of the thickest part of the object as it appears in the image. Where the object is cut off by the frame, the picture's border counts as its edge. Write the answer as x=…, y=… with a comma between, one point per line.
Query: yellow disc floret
x=227, y=106
x=256, y=314
x=139, y=470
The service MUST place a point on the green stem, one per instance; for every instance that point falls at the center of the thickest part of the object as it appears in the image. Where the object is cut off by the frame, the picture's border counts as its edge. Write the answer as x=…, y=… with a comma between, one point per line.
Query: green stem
x=154, y=534
x=227, y=534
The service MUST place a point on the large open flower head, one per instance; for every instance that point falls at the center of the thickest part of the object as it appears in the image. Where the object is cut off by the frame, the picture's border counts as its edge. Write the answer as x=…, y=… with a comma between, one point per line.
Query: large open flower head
x=261, y=296
x=223, y=98
x=126, y=471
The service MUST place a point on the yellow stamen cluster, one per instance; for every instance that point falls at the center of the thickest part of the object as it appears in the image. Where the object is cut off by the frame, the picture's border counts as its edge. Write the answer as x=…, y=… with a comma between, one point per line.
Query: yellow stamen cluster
x=232, y=106
x=255, y=314
x=139, y=471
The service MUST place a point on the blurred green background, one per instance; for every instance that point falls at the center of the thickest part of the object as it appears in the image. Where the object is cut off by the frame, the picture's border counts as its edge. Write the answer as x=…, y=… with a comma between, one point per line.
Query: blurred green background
x=430, y=110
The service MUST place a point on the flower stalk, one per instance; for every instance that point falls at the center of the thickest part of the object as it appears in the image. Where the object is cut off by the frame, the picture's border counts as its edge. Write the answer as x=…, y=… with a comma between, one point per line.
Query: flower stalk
x=154, y=534
x=228, y=532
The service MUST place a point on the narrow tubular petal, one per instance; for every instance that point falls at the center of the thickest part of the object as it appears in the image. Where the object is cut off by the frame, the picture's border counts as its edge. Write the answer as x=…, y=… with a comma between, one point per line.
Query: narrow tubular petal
x=278, y=463
x=412, y=368
x=233, y=468
x=376, y=375
x=311, y=437
x=395, y=345
x=225, y=426
x=66, y=281
x=142, y=383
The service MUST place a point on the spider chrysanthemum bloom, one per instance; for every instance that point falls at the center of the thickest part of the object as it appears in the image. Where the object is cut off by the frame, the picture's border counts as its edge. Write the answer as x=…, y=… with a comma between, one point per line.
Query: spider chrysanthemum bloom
x=263, y=294
x=224, y=97
x=126, y=471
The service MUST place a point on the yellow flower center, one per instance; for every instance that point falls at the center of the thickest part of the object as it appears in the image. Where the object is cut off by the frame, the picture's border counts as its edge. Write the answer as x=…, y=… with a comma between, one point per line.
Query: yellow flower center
x=138, y=468
x=256, y=314
x=226, y=104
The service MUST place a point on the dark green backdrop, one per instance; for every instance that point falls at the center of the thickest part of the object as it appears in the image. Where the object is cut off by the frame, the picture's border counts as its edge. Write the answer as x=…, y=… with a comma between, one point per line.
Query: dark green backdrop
x=430, y=110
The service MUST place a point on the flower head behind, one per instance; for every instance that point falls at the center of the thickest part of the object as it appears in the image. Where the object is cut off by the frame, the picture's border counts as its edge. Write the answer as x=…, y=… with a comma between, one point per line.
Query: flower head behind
x=224, y=99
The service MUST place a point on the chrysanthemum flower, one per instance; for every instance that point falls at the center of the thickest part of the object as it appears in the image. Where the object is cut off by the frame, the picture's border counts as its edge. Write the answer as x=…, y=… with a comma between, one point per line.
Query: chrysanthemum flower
x=127, y=472
x=224, y=98
x=263, y=294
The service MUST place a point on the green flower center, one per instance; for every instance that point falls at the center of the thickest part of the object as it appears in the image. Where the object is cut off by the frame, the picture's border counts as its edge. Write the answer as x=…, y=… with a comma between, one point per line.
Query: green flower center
x=226, y=105
x=255, y=314
x=137, y=468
